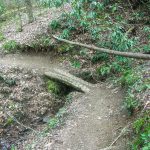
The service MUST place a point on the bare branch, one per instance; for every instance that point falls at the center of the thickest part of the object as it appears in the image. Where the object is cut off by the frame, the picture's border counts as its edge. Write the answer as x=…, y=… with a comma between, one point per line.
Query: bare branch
x=112, y=52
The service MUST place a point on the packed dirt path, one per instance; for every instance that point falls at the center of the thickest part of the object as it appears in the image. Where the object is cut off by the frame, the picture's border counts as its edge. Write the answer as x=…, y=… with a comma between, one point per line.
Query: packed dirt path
x=95, y=120
x=41, y=62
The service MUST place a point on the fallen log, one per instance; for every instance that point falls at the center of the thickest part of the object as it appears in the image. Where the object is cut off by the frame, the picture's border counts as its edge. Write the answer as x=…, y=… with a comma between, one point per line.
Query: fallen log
x=112, y=52
x=69, y=79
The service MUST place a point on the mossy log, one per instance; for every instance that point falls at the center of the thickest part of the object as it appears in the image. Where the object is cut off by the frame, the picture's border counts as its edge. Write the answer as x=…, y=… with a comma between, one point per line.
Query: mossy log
x=68, y=79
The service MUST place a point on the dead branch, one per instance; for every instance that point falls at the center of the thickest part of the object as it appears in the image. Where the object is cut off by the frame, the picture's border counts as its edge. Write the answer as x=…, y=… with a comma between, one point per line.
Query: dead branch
x=112, y=52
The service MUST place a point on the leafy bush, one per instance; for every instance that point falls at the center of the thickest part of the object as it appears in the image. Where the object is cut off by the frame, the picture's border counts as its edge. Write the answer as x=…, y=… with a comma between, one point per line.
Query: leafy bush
x=55, y=24
x=99, y=57
x=128, y=78
x=65, y=34
x=11, y=46
x=58, y=119
x=120, y=40
x=1, y=37
x=45, y=41
x=2, y=8
x=142, y=132
x=130, y=103
x=76, y=64
x=104, y=70
x=53, y=123
x=53, y=87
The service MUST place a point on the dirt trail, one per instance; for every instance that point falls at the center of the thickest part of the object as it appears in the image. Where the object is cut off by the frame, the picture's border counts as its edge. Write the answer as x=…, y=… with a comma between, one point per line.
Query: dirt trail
x=94, y=121
x=32, y=61
x=97, y=121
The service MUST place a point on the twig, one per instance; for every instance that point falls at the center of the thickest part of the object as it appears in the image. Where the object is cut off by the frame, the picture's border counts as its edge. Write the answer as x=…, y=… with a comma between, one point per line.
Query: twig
x=116, y=139
x=112, y=52
x=121, y=133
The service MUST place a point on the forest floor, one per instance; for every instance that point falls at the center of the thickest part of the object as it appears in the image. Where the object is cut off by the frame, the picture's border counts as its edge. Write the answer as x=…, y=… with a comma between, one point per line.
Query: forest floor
x=30, y=31
x=94, y=120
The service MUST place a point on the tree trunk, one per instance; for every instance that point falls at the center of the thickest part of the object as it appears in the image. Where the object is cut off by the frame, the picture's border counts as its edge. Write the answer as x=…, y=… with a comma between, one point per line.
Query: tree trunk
x=29, y=10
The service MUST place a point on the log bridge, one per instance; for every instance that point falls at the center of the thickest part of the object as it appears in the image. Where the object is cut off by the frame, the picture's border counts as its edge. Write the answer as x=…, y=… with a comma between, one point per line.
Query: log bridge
x=69, y=79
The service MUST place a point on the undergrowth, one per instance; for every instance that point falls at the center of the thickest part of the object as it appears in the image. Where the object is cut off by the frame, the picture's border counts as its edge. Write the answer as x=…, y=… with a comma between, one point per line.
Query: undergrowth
x=142, y=132
x=11, y=46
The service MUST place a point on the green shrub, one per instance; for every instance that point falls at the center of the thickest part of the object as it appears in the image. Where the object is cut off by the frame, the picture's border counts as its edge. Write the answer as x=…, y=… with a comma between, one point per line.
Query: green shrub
x=11, y=46
x=65, y=34
x=1, y=37
x=55, y=24
x=63, y=48
x=2, y=8
x=99, y=57
x=130, y=103
x=76, y=64
x=141, y=129
x=45, y=41
x=53, y=123
x=128, y=78
x=58, y=119
x=53, y=87
x=104, y=70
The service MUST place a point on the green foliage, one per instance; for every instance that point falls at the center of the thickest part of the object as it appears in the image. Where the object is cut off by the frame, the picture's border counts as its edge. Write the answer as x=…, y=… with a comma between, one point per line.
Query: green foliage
x=13, y=147
x=104, y=70
x=128, y=78
x=53, y=87
x=142, y=132
x=130, y=103
x=45, y=41
x=65, y=34
x=63, y=48
x=76, y=64
x=52, y=3
x=146, y=48
x=9, y=122
x=2, y=8
x=99, y=57
x=1, y=37
x=11, y=46
x=55, y=24
x=58, y=119
x=120, y=40
x=9, y=82
x=53, y=123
